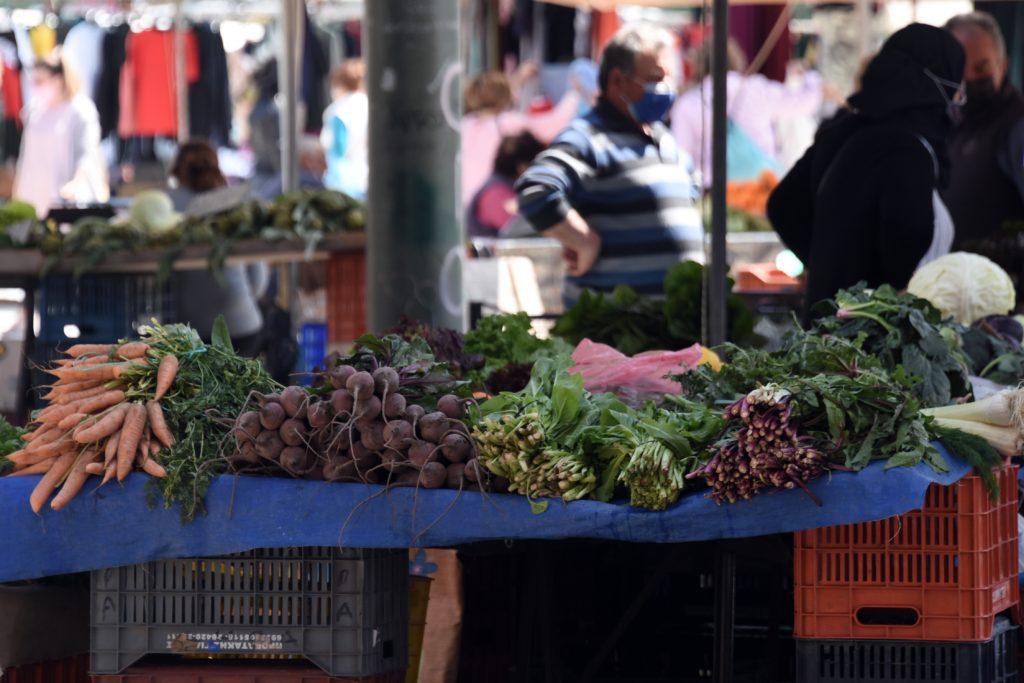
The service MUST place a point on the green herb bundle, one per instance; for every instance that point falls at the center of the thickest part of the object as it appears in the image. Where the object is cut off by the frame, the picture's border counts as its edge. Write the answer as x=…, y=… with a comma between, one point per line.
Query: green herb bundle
x=901, y=330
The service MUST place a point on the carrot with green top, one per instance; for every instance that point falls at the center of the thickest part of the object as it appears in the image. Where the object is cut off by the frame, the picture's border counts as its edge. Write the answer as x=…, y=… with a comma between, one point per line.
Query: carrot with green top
x=165, y=374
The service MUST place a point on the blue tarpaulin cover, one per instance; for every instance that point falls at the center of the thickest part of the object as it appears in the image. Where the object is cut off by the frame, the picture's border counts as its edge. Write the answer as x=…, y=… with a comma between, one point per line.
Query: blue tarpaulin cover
x=113, y=526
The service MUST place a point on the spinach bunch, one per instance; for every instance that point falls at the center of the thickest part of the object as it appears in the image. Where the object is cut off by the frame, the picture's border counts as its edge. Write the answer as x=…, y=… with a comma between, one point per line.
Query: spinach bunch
x=901, y=330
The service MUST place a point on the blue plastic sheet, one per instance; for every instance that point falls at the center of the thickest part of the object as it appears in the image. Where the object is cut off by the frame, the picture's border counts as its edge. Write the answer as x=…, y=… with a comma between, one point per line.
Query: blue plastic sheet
x=113, y=526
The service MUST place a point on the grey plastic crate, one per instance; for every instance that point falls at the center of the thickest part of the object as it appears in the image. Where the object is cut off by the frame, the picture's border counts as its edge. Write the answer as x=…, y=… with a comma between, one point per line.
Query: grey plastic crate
x=910, y=661
x=345, y=610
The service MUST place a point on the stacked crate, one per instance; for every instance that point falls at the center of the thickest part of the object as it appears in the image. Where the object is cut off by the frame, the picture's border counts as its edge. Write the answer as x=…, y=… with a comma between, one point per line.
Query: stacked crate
x=925, y=596
x=344, y=610
x=95, y=309
x=346, y=297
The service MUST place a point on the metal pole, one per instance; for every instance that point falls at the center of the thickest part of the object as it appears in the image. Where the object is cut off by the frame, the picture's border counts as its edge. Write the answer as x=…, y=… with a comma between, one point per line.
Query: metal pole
x=180, y=75
x=725, y=614
x=716, y=289
x=288, y=63
x=414, y=240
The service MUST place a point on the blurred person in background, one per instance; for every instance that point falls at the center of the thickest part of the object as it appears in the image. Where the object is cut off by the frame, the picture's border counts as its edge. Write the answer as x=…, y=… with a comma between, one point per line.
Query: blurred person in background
x=863, y=202
x=986, y=151
x=612, y=187
x=489, y=116
x=60, y=158
x=200, y=295
x=755, y=106
x=494, y=206
x=344, y=133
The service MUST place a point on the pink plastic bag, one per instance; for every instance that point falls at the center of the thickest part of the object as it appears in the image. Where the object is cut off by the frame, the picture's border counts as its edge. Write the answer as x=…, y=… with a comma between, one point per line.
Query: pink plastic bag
x=635, y=380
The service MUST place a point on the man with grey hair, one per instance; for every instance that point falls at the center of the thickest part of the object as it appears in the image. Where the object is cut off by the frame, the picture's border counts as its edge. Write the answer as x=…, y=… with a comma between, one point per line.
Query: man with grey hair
x=612, y=187
x=986, y=187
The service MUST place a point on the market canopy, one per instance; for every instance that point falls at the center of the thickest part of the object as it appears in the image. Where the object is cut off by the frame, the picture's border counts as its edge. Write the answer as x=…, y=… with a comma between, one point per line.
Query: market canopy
x=114, y=525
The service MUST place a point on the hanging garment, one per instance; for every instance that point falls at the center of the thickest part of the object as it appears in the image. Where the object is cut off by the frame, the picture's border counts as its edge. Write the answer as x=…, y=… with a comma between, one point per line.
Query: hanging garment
x=152, y=81
x=209, y=97
x=108, y=89
x=83, y=50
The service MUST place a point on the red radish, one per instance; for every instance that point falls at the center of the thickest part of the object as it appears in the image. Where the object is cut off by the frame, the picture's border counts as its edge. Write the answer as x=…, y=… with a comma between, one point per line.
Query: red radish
x=247, y=427
x=385, y=381
x=295, y=460
x=272, y=415
x=320, y=415
x=394, y=406
x=433, y=426
x=413, y=413
x=422, y=452
x=451, y=406
x=294, y=432
x=433, y=475
x=360, y=385
x=269, y=445
x=456, y=448
x=373, y=438
x=295, y=400
x=339, y=375
x=398, y=434
x=369, y=408
x=456, y=477
x=342, y=402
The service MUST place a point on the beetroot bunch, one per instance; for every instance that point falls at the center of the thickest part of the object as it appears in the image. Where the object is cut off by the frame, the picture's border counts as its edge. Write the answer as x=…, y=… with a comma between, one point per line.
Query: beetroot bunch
x=764, y=449
x=360, y=428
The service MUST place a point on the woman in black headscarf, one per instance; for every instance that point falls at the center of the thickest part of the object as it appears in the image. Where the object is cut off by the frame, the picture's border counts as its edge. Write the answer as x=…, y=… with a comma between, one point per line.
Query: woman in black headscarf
x=863, y=202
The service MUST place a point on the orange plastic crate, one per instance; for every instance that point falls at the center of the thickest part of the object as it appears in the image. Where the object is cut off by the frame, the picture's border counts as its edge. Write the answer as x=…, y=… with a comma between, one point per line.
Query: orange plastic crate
x=940, y=573
x=346, y=296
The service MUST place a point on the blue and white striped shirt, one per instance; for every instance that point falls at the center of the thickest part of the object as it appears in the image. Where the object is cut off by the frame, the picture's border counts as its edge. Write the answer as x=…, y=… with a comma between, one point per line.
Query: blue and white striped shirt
x=631, y=188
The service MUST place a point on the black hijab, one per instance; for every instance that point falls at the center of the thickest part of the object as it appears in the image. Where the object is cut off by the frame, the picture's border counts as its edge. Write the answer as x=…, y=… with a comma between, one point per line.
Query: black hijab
x=897, y=88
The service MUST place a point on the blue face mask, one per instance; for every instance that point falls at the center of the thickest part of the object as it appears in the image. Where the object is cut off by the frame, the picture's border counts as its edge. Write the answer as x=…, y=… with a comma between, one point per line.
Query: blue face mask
x=655, y=104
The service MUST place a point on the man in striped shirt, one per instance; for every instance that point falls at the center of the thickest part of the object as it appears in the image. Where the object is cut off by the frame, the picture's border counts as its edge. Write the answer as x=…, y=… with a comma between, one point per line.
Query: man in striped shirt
x=612, y=187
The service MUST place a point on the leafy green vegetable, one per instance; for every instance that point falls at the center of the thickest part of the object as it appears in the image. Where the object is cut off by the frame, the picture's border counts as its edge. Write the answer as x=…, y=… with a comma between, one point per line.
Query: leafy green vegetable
x=556, y=439
x=633, y=323
x=900, y=329
x=10, y=441
x=212, y=387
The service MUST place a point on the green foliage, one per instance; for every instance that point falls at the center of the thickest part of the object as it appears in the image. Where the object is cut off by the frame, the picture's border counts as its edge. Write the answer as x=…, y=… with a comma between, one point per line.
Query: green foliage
x=900, y=330
x=633, y=323
x=10, y=441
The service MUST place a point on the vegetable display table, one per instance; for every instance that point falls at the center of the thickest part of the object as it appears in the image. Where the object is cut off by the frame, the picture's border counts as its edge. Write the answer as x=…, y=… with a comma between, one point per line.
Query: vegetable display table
x=113, y=525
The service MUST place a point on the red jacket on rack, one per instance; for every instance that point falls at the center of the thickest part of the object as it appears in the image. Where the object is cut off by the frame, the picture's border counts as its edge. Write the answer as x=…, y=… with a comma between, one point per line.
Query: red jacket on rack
x=149, y=81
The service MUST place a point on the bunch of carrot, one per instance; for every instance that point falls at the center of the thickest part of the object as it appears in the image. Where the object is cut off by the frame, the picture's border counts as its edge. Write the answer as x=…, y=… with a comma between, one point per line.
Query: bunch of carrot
x=98, y=421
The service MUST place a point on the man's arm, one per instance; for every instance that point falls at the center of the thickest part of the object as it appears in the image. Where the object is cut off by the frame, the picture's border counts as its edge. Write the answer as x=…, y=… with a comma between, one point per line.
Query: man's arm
x=545, y=194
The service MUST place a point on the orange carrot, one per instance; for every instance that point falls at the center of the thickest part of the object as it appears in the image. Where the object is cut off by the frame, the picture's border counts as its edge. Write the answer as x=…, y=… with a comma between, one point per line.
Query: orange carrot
x=109, y=471
x=110, y=451
x=95, y=389
x=44, y=489
x=82, y=349
x=71, y=420
x=110, y=423
x=131, y=433
x=100, y=373
x=55, y=413
x=158, y=424
x=29, y=437
x=154, y=469
x=75, y=481
x=165, y=375
x=132, y=350
x=27, y=457
x=47, y=435
x=96, y=468
x=39, y=468
x=102, y=402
